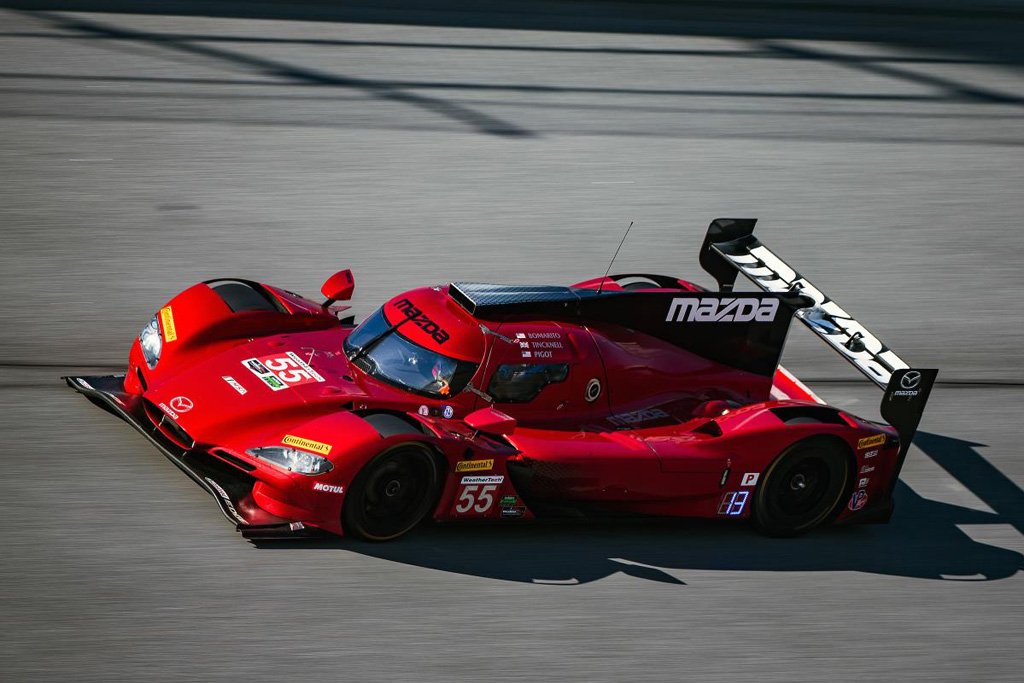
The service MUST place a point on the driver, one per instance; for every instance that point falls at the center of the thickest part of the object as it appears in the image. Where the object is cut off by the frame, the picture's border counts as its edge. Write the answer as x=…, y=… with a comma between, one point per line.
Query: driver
x=443, y=371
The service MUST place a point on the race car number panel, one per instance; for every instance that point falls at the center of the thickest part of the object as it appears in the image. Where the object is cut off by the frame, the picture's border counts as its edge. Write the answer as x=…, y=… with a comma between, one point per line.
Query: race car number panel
x=281, y=371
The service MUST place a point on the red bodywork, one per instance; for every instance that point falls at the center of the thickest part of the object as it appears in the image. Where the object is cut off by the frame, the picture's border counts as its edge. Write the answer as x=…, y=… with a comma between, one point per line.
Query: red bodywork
x=635, y=425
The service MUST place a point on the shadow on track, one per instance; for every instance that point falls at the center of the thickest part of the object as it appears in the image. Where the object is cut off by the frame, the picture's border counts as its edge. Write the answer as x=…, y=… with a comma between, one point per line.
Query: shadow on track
x=989, y=33
x=922, y=540
x=528, y=107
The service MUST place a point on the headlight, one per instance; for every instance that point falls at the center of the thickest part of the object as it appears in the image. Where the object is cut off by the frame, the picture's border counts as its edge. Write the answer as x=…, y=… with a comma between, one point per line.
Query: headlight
x=152, y=343
x=293, y=459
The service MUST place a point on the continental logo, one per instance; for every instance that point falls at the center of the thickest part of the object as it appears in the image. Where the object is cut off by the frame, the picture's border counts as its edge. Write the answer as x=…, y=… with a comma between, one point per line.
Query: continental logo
x=474, y=465
x=307, y=444
x=167, y=323
x=869, y=441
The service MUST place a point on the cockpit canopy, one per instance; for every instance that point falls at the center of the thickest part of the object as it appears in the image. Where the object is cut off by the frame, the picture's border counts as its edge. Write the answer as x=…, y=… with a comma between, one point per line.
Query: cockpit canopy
x=381, y=350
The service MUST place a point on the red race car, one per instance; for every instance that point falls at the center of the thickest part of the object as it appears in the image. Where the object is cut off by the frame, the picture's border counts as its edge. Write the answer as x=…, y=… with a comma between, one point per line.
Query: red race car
x=639, y=394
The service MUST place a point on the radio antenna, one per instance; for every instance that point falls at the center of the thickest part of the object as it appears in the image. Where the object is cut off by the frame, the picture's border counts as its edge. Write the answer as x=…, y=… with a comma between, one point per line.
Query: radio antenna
x=601, y=286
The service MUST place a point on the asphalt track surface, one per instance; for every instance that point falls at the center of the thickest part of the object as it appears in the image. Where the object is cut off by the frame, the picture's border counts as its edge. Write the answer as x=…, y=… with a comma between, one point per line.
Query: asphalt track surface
x=140, y=154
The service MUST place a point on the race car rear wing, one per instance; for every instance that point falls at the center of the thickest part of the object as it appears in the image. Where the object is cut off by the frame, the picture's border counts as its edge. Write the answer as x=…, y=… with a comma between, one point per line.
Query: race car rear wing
x=730, y=248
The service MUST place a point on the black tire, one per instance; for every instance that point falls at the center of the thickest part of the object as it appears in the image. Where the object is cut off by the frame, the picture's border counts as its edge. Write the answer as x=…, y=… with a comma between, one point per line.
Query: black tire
x=803, y=488
x=392, y=494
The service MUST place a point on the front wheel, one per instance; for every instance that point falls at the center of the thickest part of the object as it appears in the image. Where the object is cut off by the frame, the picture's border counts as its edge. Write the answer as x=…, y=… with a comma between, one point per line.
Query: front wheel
x=802, y=488
x=392, y=494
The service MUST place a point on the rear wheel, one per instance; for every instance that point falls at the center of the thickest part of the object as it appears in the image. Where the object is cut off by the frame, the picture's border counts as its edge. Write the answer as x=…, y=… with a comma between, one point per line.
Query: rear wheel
x=802, y=488
x=391, y=494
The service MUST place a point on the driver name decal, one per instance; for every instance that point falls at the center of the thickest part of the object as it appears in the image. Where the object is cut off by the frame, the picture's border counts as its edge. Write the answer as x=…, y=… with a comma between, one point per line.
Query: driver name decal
x=419, y=319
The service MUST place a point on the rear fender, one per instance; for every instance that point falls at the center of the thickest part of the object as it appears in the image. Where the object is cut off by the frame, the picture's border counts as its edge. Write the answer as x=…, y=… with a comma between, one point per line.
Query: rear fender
x=755, y=436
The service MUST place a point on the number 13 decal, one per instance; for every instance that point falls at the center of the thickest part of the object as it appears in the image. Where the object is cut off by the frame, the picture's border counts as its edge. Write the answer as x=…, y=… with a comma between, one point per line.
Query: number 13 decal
x=476, y=498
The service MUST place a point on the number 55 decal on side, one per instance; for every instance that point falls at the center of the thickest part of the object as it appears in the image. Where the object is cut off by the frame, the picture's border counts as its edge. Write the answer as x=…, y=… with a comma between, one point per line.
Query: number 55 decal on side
x=477, y=495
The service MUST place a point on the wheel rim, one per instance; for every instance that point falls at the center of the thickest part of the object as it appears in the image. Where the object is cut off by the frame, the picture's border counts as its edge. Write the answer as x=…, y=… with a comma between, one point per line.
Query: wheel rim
x=804, y=488
x=396, y=493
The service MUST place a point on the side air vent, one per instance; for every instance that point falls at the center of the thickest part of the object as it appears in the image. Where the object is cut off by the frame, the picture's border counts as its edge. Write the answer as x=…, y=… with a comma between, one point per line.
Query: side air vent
x=168, y=428
x=232, y=459
x=710, y=428
x=242, y=296
x=808, y=415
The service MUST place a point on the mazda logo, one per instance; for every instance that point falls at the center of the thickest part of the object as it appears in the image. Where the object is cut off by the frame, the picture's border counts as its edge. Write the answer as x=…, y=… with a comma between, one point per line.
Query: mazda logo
x=910, y=380
x=183, y=404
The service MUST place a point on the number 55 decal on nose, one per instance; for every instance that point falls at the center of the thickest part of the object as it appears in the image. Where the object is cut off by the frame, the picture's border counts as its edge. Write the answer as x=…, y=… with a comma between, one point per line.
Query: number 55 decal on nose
x=282, y=371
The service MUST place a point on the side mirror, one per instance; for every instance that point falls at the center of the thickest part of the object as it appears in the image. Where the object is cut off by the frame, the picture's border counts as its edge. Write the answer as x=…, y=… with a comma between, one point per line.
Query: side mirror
x=338, y=287
x=491, y=421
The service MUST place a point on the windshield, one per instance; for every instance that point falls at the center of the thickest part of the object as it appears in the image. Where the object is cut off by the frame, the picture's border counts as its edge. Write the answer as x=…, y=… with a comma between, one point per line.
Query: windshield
x=380, y=350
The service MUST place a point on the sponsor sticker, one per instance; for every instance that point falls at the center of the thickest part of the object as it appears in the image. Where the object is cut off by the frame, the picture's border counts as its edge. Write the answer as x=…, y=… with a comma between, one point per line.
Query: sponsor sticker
x=474, y=465
x=750, y=479
x=858, y=500
x=256, y=366
x=421, y=320
x=725, y=309
x=867, y=469
x=506, y=501
x=423, y=410
x=233, y=383
x=863, y=483
x=167, y=324
x=513, y=513
x=909, y=382
x=226, y=498
x=448, y=412
x=164, y=407
x=871, y=454
x=490, y=479
x=871, y=441
x=307, y=444
x=328, y=488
